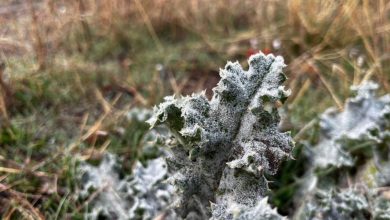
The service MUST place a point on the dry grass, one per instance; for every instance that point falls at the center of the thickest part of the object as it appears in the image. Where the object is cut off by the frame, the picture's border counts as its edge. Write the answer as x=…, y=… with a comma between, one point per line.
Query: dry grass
x=319, y=35
x=75, y=67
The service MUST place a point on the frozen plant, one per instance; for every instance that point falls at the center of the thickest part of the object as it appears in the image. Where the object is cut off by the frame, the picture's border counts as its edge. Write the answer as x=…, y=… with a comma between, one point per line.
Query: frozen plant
x=363, y=115
x=261, y=210
x=221, y=148
x=346, y=204
x=356, y=138
x=381, y=210
x=142, y=195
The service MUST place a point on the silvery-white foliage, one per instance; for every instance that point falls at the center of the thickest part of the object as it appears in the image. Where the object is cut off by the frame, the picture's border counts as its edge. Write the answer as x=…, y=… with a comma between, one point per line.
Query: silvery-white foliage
x=223, y=147
x=381, y=210
x=234, y=211
x=142, y=195
x=139, y=114
x=347, y=204
x=363, y=124
x=364, y=119
x=152, y=140
x=361, y=115
x=383, y=175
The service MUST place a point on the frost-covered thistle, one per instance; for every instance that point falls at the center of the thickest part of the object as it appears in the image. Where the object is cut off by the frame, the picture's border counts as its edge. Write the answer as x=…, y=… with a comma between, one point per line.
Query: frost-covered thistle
x=363, y=118
x=223, y=147
x=140, y=196
x=356, y=138
x=346, y=204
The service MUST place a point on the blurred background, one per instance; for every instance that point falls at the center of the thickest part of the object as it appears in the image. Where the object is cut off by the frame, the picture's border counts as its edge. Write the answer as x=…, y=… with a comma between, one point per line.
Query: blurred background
x=71, y=71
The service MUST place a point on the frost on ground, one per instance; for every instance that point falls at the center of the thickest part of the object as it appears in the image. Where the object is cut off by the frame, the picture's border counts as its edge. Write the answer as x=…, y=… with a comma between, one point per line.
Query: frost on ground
x=356, y=138
x=223, y=147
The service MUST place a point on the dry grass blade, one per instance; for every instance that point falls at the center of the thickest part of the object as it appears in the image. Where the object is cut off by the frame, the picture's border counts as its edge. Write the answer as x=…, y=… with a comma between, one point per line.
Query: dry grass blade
x=331, y=92
x=39, y=47
x=149, y=25
x=95, y=153
x=303, y=89
x=302, y=131
x=5, y=93
x=91, y=197
x=106, y=106
x=3, y=108
x=9, y=170
x=21, y=204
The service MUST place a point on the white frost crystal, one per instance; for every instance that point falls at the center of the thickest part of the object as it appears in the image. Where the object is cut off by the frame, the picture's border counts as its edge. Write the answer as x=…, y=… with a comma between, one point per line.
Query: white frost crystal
x=223, y=147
